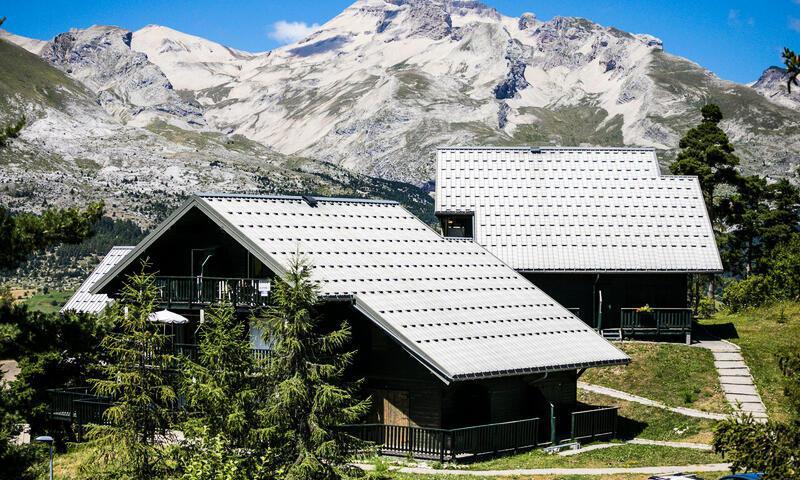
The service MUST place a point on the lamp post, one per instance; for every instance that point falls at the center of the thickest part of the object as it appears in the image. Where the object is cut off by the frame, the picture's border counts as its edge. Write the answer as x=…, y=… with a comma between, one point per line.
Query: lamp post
x=48, y=440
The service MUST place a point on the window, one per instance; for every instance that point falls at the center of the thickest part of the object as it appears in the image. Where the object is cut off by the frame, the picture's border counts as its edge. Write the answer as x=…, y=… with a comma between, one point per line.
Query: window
x=459, y=226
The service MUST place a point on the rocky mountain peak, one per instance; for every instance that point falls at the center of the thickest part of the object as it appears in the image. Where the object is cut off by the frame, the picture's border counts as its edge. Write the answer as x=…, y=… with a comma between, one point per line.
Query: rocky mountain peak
x=773, y=84
x=127, y=84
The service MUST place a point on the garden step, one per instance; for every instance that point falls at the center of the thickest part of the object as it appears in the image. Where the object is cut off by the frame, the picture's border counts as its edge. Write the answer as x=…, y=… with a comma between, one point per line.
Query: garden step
x=733, y=372
x=740, y=389
x=724, y=356
x=730, y=364
x=742, y=398
x=735, y=379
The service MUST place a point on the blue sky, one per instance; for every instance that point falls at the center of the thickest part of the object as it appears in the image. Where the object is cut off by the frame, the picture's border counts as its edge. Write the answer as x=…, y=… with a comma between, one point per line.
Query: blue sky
x=735, y=39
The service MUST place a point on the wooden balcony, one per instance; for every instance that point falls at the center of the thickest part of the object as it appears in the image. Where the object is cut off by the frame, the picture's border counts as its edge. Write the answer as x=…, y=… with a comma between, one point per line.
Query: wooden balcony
x=596, y=424
x=448, y=444
x=198, y=292
x=490, y=439
x=656, y=321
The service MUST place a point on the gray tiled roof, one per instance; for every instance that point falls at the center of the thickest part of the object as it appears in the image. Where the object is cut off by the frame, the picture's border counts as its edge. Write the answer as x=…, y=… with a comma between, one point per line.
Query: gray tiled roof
x=573, y=209
x=85, y=302
x=453, y=304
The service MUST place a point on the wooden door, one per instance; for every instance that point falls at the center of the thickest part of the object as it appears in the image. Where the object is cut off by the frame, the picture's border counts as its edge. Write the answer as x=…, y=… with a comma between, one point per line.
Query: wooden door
x=395, y=408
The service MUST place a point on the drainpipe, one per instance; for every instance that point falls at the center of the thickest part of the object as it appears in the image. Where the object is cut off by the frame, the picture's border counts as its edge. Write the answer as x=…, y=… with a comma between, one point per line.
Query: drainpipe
x=594, y=299
x=600, y=312
x=552, y=424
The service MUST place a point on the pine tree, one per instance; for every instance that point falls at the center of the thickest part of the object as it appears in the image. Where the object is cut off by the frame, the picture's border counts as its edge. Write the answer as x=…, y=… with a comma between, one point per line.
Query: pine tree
x=136, y=379
x=24, y=233
x=221, y=385
x=310, y=397
x=792, y=62
x=706, y=152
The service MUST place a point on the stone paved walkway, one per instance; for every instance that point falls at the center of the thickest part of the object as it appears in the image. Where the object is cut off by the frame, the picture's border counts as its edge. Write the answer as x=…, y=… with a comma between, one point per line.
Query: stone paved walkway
x=709, y=467
x=689, y=412
x=735, y=378
x=636, y=441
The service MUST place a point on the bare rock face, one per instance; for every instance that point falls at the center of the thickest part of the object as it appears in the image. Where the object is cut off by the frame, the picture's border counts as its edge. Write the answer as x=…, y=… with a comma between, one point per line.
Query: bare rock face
x=127, y=85
x=773, y=85
x=377, y=88
x=421, y=18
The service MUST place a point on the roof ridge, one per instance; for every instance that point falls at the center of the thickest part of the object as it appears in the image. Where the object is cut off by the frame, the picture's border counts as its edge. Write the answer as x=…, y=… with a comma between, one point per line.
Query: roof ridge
x=300, y=198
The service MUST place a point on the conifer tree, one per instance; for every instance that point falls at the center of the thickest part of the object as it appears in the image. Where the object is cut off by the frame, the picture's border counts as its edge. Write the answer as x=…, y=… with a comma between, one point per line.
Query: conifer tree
x=221, y=385
x=24, y=233
x=706, y=152
x=310, y=397
x=792, y=62
x=136, y=380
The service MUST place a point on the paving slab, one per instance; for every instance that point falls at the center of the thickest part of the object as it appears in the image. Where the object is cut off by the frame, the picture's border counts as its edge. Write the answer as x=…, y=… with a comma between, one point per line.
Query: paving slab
x=735, y=380
x=733, y=372
x=740, y=389
x=723, y=356
x=730, y=364
x=742, y=398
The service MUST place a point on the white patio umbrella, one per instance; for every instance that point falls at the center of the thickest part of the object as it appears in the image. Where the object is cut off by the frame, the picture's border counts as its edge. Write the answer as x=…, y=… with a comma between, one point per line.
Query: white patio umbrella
x=165, y=316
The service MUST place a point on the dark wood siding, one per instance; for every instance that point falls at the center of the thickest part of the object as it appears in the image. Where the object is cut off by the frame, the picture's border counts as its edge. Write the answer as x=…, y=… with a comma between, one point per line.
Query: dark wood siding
x=619, y=290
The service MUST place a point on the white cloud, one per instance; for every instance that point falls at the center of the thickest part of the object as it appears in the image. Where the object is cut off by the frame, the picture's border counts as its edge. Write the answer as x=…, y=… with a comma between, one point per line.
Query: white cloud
x=794, y=24
x=290, y=32
x=735, y=19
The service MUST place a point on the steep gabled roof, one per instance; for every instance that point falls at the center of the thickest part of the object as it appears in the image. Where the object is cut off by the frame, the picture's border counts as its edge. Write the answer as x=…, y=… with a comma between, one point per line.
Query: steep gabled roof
x=83, y=301
x=451, y=304
x=578, y=209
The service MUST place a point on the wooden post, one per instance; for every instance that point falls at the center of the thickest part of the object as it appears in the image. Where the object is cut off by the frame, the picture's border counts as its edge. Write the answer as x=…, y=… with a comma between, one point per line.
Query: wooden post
x=572, y=427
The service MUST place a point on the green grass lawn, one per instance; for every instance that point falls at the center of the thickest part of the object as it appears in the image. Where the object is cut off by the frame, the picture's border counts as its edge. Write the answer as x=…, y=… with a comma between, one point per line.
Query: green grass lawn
x=48, y=303
x=762, y=334
x=625, y=455
x=642, y=421
x=677, y=375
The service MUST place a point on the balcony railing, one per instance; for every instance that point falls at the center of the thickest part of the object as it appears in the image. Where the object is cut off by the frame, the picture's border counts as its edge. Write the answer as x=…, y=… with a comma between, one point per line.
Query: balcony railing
x=594, y=424
x=448, y=444
x=656, y=321
x=190, y=351
x=203, y=291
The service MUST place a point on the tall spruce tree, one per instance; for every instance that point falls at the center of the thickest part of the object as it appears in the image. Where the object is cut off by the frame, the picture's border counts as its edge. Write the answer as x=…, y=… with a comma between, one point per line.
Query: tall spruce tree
x=310, y=396
x=706, y=152
x=221, y=386
x=136, y=378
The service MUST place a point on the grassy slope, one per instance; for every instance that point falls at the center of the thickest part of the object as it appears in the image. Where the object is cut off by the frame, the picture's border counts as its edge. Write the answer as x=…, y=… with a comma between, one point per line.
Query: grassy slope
x=622, y=456
x=25, y=76
x=762, y=336
x=677, y=375
x=641, y=421
x=48, y=303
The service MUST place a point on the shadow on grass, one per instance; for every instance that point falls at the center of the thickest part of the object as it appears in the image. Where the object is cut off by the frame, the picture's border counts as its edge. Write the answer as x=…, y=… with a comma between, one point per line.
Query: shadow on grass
x=718, y=330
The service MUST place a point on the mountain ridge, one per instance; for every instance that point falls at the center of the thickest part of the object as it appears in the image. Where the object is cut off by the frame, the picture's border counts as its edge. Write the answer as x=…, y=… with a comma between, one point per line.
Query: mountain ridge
x=377, y=88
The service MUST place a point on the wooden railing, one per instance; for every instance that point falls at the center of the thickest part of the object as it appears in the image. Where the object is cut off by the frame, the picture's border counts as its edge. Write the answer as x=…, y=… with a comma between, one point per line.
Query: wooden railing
x=656, y=320
x=448, y=443
x=202, y=291
x=594, y=424
x=191, y=350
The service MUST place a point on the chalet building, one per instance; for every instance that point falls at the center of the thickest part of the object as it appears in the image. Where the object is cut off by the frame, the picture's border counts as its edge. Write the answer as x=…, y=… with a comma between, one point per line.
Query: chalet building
x=600, y=230
x=448, y=336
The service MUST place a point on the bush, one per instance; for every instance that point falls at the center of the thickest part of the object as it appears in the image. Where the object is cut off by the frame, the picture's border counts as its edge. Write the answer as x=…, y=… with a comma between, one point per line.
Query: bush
x=707, y=307
x=753, y=291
